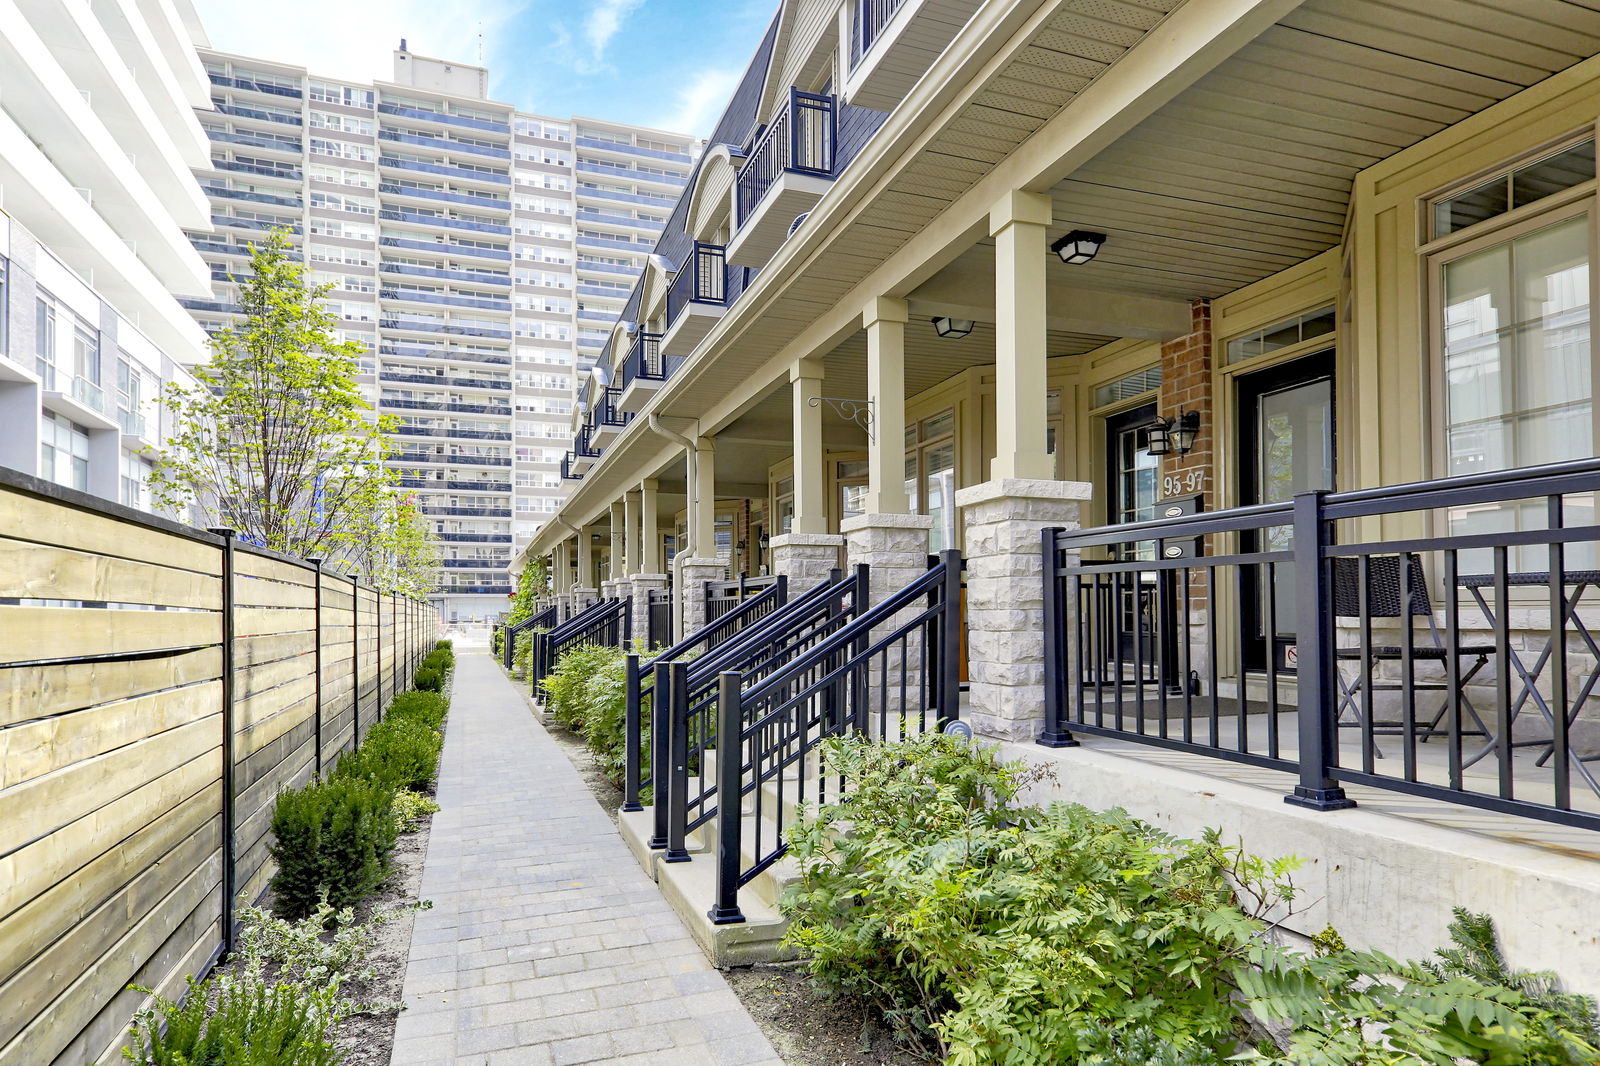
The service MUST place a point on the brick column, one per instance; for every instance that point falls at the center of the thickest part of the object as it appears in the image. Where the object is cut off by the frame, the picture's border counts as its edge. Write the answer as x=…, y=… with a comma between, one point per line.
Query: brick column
x=1005, y=597
x=805, y=558
x=1186, y=365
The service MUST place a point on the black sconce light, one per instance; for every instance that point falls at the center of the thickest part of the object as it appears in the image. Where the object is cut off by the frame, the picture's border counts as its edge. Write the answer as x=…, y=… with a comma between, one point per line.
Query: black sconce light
x=952, y=328
x=1172, y=436
x=1079, y=246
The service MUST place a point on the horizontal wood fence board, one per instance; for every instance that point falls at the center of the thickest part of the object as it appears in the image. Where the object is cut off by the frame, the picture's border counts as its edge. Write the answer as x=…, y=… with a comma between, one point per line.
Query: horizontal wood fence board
x=263, y=762
x=33, y=926
x=166, y=973
x=44, y=745
x=30, y=518
x=262, y=735
x=249, y=681
x=28, y=692
x=271, y=621
x=255, y=592
x=33, y=986
x=30, y=871
x=80, y=1001
x=79, y=632
x=250, y=564
x=46, y=804
x=29, y=570
x=249, y=652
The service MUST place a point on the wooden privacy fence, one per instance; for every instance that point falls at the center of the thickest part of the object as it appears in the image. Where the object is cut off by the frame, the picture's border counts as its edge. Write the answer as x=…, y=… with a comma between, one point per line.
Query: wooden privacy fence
x=138, y=658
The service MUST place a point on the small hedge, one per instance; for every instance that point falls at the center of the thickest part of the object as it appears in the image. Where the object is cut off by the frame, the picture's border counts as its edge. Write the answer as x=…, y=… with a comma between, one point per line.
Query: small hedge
x=332, y=838
x=586, y=694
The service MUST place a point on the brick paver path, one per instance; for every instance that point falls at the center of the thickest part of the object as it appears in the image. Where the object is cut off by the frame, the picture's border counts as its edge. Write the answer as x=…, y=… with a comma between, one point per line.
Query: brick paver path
x=547, y=944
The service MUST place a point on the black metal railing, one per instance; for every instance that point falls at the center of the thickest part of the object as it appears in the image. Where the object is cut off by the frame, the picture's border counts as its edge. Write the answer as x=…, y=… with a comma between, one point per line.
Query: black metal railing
x=703, y=279
x=686, y=712
x=607, y=623
x=583, y=445
x=640, y=676
x=607, y=412
x=567, y=472
x=891, y=672
x=867, y=23
x=1431, y=639
x=722, y=597
x=658, y=618
x=800, y=141
x=644, y=360
x=540, y=620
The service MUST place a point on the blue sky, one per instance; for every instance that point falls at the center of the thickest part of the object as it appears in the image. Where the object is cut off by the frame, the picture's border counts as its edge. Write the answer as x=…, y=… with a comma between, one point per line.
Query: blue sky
x=665, y=63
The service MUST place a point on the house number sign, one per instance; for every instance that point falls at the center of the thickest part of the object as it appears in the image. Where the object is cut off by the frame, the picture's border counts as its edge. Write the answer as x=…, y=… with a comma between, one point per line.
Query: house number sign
x=1185, y=483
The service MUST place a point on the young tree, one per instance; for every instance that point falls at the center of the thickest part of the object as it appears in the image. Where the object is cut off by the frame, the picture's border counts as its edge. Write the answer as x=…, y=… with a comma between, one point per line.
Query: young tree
x=276, y=439
x=532, y=582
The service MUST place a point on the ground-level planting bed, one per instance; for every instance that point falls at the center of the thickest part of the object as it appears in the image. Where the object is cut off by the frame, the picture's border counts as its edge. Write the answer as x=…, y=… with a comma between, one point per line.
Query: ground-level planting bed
x=316, y=974
x=937, y=909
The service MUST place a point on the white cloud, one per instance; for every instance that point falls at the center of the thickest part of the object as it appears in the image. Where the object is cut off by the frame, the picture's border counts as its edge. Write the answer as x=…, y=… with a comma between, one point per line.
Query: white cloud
x=699, y=103
x=604, y=20
x=355, y=40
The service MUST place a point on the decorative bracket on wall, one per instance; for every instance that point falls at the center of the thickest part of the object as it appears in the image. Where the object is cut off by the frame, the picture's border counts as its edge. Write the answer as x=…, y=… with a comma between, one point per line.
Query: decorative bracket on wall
x=858, y=411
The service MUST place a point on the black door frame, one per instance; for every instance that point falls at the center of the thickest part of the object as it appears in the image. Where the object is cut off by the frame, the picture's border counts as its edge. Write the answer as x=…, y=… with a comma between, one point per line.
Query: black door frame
x=1251, y=387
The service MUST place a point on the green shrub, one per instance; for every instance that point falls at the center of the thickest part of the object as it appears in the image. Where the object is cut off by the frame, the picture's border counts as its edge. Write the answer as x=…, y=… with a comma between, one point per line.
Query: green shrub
x=331, y=839
x=410, y=808
x=252, y=1024
x=497, y=642
x=429, y=708
x=399, y=753
x=428, y=679
x=444, y=645
x=566, y=686
x=1007, y=934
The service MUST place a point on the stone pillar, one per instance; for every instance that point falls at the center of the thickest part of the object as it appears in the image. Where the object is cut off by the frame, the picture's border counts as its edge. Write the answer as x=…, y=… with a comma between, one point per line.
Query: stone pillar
x=641, y=586
x=1005, y=597
x=885, y=322
x=810, y=455
x=895, y=548
x=1019, y=225
x=692, y=594
x=805, y=559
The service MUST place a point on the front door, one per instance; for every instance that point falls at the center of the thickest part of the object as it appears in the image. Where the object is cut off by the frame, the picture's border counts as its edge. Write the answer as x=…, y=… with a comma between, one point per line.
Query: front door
x=1286, y=426
x=1132, y=477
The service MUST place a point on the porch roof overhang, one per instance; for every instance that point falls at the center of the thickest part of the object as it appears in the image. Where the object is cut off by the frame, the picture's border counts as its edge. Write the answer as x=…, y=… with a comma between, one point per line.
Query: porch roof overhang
x=1215, y=141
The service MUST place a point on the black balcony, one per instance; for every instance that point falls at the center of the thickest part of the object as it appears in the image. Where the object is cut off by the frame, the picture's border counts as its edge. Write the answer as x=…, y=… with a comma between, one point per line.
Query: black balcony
x=583, y=445
x=644, y=361
x=866, y=25
x=702, y=279
x=607, y=413
x=567, y=473
x=799, y=141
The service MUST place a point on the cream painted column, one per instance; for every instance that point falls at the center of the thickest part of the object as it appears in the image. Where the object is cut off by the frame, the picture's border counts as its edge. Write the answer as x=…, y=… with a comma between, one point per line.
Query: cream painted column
x=885, y=322
x=644, y=577
x=807, y=553
x=1019, y=224
x=650, y=561
x=617, y=587
x=702, y=565
x=630, y=533
x=584, y=593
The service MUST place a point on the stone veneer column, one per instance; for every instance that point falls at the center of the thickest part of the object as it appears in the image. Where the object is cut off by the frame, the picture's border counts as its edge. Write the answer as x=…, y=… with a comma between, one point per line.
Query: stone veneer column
x=692, y=596
x=895, y=549
x=805, y=559
x=1005, y=597
x=643, y=585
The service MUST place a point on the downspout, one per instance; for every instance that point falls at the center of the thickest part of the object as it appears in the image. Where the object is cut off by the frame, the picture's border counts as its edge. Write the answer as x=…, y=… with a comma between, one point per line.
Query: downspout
x=692, y=461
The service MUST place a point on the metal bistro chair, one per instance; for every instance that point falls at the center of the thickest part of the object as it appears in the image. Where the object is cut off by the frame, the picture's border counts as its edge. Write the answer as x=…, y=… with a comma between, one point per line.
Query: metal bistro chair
x=1383, y=601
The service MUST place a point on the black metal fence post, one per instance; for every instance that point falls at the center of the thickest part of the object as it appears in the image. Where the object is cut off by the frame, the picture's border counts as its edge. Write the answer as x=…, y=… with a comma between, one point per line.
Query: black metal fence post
x=355, y=660
x=1316, y=684
x=630, y=734
x=229, y=858
x=1055, y=733
x=677, y=769
x=660, y=754
x=730, y=759
x=377, y=658
x=316, y=659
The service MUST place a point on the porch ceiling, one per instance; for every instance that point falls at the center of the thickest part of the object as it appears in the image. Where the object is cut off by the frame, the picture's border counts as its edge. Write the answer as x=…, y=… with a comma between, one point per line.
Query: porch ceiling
x=1250, y=170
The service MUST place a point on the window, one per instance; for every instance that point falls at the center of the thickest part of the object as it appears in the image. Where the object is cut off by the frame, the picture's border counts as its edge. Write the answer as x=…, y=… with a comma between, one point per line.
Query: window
x=1309, y=326
x=133, y=487
x=63, y=451
x=1517, y=361
x=130, y=389
x=45, y=343
x=931, y=473
x=1515, y=188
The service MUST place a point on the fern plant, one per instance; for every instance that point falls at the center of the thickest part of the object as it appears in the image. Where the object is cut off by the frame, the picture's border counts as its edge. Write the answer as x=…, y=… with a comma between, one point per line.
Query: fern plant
x=251, y=1023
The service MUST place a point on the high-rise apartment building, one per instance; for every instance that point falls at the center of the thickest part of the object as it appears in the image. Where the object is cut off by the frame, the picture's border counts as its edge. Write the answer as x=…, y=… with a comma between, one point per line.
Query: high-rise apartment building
x=480, y=255
x=98, y=139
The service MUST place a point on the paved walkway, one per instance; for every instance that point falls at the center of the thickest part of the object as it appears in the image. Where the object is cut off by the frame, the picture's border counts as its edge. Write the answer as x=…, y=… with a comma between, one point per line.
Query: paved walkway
x=547, y=944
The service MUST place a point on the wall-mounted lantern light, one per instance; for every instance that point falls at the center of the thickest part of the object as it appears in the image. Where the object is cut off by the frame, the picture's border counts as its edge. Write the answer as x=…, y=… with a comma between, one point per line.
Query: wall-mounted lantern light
x=1172, y=436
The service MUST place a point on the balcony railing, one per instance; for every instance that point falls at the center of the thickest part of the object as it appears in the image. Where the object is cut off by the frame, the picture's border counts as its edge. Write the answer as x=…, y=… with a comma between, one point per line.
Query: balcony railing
x=422, y=218
x=132, y=422
x=644, y=361
x=269, y=141
x=632, y=149
x=477, y=277
x=443, y=247
x=567, y=472
x=583, y=446
x=463, y=173
x=412, y=351
x=439, y=116
x=286, y=173
x=606, y=412
x=255, y=86
x=867, y=23
x=392, y=292
x=444, y=143
x=799, y=141
x=89, y=394
x=496, y=203
x=703, y=279
x=1451, y=656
